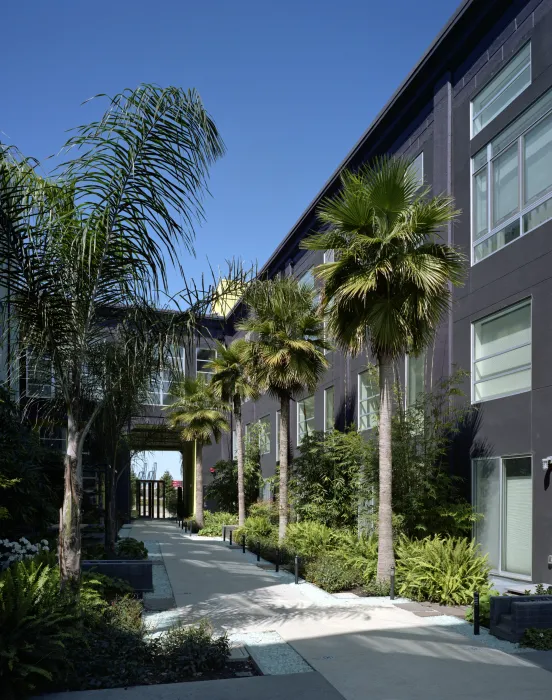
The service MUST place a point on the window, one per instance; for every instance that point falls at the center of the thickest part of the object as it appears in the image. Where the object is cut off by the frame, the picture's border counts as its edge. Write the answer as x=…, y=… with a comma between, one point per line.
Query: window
x=329, y=256
x=307, y=278
x=329, y=415
x=368, y=401
x=234, y=444
x=40, y=377
x=502, y=494
x=277, y=436
x=264, y=435
x=502, y=353
x=53, y=438
x=160, y=385
x=502, y=90
x=415, y=378
x=512, y=181
x=305, y=418
x=203, y=357
x=417, y=166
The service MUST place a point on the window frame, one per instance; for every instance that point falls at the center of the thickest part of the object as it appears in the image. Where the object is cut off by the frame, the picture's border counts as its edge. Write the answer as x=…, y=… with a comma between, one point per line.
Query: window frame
x=264, y=437
x=502, y=312
x=421, y=157
x=307, y=420
x=162, y=382
x=51, y=383
x=360, y=401
x=503, y=89
x=332, y=427
x=201, y=372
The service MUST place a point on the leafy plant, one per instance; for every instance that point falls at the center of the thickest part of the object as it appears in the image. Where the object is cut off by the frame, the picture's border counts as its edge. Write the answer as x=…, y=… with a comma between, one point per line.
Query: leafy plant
x=441, y=570
x=331, y=572
x=224, y=487
x=540, y=589
x=130, y=548
x=484, y=608
x=264, y=509
x=377, y=588
x=257, y=528
x=359, y=554
x=107, y=587
x=191, y=650
x=215, y=521
x=11, y=552
x=308, y=538
x=537, y=639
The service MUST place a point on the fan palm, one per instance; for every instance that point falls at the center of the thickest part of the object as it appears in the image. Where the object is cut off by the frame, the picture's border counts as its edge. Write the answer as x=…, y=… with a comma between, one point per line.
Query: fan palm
x=199, y=416
x=285, y=353
x=233, y=383
x=389, y=285
x=99, y=235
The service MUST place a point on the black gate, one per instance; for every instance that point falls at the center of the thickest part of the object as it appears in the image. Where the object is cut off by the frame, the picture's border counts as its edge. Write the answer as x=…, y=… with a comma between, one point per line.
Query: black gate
x=150, y=499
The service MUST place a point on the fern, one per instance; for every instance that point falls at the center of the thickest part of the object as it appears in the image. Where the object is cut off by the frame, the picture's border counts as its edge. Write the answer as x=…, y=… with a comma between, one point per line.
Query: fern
x=309, y=538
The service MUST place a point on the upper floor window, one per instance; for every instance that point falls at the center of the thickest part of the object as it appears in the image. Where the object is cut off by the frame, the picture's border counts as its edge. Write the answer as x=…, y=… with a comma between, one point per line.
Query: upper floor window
x=368, y=401
x=415, y=378
x=264, y=435
x=307, y=278
x=329, y=256
x=40, y=377
x=329, y=415
x=417, y=166
x=502, y=353
x=512, y=181
x=502, y=90
x=203, y=357
x=159, y=389
x=305, y=418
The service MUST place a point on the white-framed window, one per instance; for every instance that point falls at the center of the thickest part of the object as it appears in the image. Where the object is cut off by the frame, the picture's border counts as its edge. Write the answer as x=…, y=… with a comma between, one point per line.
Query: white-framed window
x=40, y=377
x=415, y=377
x=503, y=496
x=417, y=167
x=501, y=355
x=503, y=89
x=329, y=256
x=329, y=409
x=307, y=278
x=234, y=444
x=246, y=432
x=368, y=401
x=264, y=435
x=277, y=440
x=305, y=418
x=53, y=437
x=159, y=389
x=512, y=181
x=203, y=357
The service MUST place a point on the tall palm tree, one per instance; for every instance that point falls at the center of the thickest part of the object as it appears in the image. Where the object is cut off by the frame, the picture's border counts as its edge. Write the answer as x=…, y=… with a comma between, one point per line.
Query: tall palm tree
x=233, y=383
x=199, y=416
x=98, y=234
x=389, y=286
x=285, y=353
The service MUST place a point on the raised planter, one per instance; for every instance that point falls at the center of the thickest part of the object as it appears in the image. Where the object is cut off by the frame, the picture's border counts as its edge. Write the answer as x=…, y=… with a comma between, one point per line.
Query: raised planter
x=137, y=572
x=510, y=616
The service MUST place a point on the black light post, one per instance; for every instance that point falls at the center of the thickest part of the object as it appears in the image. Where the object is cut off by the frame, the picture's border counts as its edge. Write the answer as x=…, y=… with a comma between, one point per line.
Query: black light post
x=476, y=612
x=392, y=591
x=259, y=550
x=296, y=569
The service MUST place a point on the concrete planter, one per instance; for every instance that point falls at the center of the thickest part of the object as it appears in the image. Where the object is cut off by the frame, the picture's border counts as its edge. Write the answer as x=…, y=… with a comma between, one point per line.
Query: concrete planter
x=137, y=572
x=512, y=615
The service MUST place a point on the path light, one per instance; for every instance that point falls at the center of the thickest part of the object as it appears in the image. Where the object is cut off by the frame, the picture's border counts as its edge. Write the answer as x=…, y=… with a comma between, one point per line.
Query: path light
x=392, y=591
x=296, y=569
x=476, y=612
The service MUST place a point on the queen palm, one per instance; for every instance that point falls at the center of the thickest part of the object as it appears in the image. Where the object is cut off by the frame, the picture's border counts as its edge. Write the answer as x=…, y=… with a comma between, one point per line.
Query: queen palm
x=388, y=287
x=97, y=234
x=285, y=354
x=233, y=384
x=199, y=416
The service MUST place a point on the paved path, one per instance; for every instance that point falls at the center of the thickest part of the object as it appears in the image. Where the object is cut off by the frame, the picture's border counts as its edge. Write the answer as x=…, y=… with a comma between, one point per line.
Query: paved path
x=364, y=651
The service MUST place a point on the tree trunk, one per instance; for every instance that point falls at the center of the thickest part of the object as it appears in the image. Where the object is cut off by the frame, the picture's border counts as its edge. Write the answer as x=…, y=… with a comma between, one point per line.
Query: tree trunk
x=199, y=485
x=386, y=557
x=241, y=476
x=70, y=513
x=284, y=453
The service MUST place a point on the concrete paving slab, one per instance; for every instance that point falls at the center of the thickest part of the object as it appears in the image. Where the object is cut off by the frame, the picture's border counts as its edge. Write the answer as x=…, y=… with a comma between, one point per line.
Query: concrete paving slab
x=304, y=686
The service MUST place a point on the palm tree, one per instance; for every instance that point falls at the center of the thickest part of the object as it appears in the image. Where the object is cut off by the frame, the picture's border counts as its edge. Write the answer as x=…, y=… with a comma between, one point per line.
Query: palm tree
x=199, y=416
x=285, y=353
x=97, y=235
x=389, y=285
x=233, y=384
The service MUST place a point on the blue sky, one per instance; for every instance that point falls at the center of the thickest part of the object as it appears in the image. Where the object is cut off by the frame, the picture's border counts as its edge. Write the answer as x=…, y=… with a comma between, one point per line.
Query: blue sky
x=291, y=84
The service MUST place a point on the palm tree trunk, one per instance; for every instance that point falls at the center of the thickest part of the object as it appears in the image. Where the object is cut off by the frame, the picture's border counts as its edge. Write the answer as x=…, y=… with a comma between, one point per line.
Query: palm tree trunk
x=241, y=485
x=386, y=557
x=284, y=448
x=111, y=511
x=70, y=512
x=199, y=485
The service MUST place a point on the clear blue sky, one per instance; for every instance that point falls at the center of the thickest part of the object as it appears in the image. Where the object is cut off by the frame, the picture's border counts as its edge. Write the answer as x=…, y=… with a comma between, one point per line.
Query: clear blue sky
x=291, y=84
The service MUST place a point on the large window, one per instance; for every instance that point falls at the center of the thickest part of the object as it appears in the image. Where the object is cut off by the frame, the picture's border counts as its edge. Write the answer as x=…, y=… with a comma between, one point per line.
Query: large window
x=40, y=377
x=305, y=418
x=368, y=401
x=53, y=438
x=264, y=435
x=329, y=415
x=502, y=493
x=418, y=168
x=159, y=389
x=502, y=353
x=277, y=441
x=502, y=90
x=415, y=377
x=203, y=357
x=512, y=181
x=307, y=278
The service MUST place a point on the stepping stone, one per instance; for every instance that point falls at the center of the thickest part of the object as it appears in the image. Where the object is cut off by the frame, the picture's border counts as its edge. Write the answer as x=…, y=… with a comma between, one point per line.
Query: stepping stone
x=238, y=653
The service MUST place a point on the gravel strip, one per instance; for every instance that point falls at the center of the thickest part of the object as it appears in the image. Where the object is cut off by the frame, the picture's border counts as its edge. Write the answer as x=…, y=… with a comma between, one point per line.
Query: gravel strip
x=271, y=653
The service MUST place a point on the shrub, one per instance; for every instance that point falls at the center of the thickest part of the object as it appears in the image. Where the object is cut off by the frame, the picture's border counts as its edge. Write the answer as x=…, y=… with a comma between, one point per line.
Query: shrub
x=129, y=548
x=224, y=487
x=257, y=529
x=108, y=588
x=191, y=650
x=484, y=609
x=331, y=572
x=441, y=570
x=359, y=553
x=308, y=539
x=213, y=522
x=36, y=622
x=377, y=588
x=11, y=552
x=265, y=509
x=537, y=639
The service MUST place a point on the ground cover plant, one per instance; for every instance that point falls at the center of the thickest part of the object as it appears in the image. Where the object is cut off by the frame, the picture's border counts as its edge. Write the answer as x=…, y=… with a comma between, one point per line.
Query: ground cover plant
x=213, y=523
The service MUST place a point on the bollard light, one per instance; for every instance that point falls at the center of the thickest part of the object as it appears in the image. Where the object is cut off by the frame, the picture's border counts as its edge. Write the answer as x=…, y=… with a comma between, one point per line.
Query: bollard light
x=476, y=612
x=296, y=569
x=278, y=559
x=230, y=538
x=243, y=544
x=259, y=550
x=392, y=582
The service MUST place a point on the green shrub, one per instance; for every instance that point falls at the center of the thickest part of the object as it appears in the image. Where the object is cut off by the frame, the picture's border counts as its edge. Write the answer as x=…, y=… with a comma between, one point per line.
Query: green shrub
x=129, y=548
x=107, y=587
x=484, y=609
x=537, y=639
x=257, y=528
x=441, y=570
x=359, y=553
x=308, y=539
x=265, y=509
x=331, y=572
x=36, y=624
x=191, y=650
x=377, y=588
x=213, y=522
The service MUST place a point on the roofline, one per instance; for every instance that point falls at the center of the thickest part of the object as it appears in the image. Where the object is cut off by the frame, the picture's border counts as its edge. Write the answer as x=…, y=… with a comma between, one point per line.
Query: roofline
x=437, y=42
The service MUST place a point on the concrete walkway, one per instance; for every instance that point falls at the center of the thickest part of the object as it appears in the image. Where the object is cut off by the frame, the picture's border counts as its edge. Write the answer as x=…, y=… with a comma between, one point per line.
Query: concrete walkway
x=381, y=652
